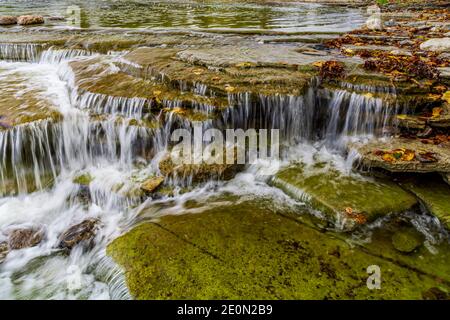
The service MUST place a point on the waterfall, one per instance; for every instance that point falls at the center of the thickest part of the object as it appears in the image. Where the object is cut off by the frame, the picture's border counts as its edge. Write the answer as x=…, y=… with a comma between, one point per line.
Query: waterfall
x=27, y=52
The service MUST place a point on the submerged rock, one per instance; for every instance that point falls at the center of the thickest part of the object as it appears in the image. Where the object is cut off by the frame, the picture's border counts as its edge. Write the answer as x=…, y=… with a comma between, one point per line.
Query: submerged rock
x=407, y=240
x=252, y=250
x=25, y=238
x=4, y=250
x=439, y=45
x=347, y=200
x=30, y=19
x=83, y=232
x=7, y=20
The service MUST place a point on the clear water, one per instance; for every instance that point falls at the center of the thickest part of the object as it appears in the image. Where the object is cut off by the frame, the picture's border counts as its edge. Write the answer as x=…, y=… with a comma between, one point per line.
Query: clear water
x=295, y=16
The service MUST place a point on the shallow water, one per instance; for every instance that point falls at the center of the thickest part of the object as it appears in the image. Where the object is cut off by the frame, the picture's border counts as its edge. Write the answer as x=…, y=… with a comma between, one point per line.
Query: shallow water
x=191, y=14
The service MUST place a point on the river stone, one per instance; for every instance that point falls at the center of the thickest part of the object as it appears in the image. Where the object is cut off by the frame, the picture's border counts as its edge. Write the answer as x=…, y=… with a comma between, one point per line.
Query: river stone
x=346, y=200
x=25, y=238
x=434, y=193
x=7, y=20
x=439, y=45
x=407, y=240
x=4, y=249
x=251, y=250
x=76, y=234
x=369, y=157
x=30, y=19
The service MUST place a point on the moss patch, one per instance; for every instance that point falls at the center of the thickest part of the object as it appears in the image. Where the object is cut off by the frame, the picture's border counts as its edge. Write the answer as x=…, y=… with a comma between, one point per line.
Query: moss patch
x=248, y=251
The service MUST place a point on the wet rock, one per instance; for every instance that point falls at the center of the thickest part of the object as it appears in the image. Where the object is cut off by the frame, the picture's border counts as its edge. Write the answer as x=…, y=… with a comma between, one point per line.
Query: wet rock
x=150, y=185
x=7, y=20
x=198, y=172
x=434, y=193
x=83, y=232
x=271, y=255
x=411, y=122
x=25, y=238
x=4, y=249
x=439, y=45
x=346, y=200
x=30, y=20
x=407, y=240
x=370, y=155
x=435, y=293
x=83, y=179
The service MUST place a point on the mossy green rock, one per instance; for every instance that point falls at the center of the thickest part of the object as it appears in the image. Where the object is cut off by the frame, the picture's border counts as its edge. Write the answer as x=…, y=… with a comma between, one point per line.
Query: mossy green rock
x=247, y=251
x=83, y=179
x=347, y=200
x=407, y=240
x=434, y=193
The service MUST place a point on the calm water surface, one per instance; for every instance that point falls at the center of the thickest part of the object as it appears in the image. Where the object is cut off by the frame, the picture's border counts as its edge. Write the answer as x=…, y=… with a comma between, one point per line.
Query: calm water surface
x=295, y=16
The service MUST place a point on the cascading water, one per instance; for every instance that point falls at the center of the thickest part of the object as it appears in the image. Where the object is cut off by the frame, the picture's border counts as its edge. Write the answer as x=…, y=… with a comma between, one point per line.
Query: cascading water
x=98, y=135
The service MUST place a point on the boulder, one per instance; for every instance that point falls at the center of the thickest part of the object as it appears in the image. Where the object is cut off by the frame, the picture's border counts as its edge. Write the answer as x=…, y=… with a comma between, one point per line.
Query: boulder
x=346, y=200
x=30, y=19
x=76, y=234
x=7, y=20
x=25, y=238
x=4, y=249
x=439, y=45
x=150, y=185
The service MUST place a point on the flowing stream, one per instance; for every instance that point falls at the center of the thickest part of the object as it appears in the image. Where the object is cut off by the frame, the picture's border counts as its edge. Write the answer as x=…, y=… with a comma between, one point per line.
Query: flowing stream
x=40, y=160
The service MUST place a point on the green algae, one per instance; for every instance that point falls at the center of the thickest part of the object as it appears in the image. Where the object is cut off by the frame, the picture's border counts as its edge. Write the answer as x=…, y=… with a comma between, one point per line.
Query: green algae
x=248, y=251
x=348, y=200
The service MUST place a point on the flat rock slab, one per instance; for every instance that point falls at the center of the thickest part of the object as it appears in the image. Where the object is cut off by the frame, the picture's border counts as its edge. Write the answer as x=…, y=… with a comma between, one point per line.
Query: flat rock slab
x=369, y=157
x=248, y=251
x=260, y=55
x=434, y=193
x=347, y=200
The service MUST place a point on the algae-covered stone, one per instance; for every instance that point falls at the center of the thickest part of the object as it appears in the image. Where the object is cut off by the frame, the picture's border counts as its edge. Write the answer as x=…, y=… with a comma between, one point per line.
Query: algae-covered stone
x=407, y=240
x=434, y=193
x=248, y=251
x=348, y=200
x=83, y=179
